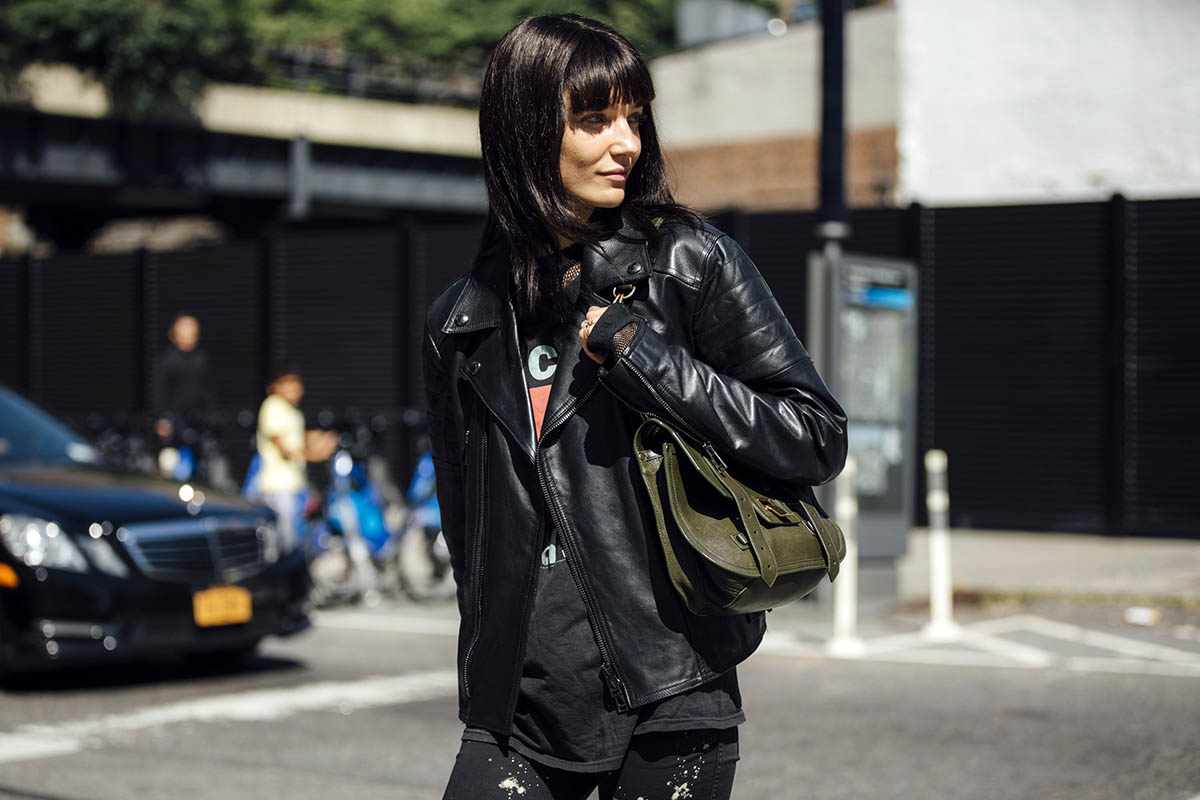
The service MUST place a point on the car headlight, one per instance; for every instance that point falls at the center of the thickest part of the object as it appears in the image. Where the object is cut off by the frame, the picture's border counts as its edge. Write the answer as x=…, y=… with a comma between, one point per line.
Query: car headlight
x=40, y=543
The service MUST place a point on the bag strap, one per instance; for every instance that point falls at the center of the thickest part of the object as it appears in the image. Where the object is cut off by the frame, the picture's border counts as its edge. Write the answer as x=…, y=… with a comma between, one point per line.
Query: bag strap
x=768, y=564
x=650, y=467
x=820, y=528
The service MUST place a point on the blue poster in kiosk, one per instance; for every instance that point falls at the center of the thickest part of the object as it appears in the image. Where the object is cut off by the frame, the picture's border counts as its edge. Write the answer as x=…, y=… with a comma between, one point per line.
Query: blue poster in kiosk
x=874, y=348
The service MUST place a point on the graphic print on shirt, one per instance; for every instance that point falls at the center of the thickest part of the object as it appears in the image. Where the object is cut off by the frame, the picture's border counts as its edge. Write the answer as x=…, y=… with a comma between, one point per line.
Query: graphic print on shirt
x=540, y=365
x=541, y=362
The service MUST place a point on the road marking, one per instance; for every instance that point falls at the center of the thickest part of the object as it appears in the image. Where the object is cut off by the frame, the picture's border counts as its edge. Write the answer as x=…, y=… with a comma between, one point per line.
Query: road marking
x=1109, y=641
x=380, y=623
x=28, y=746
x=1131, y=666
x=1022, y=653
x=42, y=740
x=950, y=658
x=982, y=646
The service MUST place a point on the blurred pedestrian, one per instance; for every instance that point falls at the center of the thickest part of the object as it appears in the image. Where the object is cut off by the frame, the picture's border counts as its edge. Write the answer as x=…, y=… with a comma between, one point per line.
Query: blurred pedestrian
x=181, y=388
x=596, y=296
x=284, y=449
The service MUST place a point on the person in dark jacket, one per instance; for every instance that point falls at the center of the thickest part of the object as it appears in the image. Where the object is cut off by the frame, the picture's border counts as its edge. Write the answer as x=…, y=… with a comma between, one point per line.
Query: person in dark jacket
x=181, y=391
x=596, y=297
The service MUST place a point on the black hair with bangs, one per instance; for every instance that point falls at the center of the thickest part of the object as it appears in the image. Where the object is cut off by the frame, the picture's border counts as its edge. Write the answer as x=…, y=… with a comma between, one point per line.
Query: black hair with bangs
x=521, y=123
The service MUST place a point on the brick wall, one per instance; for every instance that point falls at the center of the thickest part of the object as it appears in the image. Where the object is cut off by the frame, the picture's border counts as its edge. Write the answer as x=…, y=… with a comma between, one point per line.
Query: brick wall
x=782, y=173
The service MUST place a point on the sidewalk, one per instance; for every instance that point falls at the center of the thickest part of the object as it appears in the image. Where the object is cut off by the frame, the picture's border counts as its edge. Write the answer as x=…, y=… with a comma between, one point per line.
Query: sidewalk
x=1121, y=569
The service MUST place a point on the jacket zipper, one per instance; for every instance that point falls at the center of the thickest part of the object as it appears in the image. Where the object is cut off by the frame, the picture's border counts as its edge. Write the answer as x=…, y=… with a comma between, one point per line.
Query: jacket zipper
x=616, y=685
x=705, y=444
x=477, y=554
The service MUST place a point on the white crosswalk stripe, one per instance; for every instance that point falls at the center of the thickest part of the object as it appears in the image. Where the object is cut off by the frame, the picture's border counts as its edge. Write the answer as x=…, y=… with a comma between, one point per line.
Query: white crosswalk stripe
x=43, y=740
x=985, y=644
x=982, y=643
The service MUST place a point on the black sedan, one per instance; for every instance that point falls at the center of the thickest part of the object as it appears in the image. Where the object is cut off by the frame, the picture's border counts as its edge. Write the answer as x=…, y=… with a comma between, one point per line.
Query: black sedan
x=98, y=565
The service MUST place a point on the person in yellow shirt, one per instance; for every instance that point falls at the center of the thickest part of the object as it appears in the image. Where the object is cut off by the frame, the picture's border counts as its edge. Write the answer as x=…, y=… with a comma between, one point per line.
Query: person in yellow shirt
x=284, y=448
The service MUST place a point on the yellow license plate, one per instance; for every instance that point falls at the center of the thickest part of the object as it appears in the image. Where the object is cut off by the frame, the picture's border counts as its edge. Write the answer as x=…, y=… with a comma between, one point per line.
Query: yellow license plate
x=221, y=605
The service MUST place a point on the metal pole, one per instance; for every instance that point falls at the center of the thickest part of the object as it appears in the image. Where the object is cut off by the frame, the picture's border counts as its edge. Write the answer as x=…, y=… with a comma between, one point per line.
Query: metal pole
x=845, y=642
x=834, y=221
x=299, y=179
x=941, y=625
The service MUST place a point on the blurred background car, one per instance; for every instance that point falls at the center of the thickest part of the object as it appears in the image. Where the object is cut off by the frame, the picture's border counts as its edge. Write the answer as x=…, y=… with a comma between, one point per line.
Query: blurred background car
x=98, y=564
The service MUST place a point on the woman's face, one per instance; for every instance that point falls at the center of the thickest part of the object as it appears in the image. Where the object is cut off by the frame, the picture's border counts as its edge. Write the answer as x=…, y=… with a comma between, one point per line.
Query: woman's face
x=599, y=149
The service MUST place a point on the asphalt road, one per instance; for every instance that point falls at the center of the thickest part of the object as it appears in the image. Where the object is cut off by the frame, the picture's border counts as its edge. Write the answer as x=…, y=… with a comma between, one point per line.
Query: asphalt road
x=1050, y=703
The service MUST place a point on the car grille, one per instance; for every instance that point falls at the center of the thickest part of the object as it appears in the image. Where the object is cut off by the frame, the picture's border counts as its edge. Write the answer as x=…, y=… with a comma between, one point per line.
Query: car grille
x=196, y=550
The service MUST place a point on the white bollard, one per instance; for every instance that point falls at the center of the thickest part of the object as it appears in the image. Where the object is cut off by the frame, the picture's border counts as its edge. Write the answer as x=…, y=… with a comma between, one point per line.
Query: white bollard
x=845, y=642
x=941, y=626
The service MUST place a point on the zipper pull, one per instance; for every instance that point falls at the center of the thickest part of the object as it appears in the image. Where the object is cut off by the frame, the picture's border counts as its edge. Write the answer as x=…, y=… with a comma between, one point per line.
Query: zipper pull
x=715, y=457
x=615, y=688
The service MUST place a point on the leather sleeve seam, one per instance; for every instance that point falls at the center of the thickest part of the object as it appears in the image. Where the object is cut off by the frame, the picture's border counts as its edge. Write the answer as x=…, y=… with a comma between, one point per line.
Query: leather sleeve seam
x=797, y=363
x=708, y=276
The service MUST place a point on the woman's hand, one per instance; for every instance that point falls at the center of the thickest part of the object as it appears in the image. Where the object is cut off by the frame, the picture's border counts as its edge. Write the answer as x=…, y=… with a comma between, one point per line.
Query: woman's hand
x=585, y=330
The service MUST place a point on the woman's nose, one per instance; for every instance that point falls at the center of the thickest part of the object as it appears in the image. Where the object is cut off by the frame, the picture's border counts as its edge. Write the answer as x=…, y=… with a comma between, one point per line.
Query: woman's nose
x=626, y=141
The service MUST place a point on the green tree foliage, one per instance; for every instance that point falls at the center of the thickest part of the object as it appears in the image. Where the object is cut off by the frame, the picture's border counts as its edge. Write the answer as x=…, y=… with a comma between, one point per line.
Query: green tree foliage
x=144, y=52
x=446, y=32
x=148, y=51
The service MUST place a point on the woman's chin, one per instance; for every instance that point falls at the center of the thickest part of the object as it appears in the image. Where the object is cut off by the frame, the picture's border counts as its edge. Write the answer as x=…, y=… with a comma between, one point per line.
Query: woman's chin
x=610, y=199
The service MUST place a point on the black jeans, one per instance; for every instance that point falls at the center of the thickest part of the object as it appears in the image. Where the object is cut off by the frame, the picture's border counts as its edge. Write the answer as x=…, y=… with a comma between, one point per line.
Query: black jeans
x=697, y=765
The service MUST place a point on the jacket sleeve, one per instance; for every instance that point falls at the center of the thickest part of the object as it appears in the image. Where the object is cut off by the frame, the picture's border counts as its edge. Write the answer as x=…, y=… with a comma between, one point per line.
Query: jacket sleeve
x=748, y=386
x=444, y=443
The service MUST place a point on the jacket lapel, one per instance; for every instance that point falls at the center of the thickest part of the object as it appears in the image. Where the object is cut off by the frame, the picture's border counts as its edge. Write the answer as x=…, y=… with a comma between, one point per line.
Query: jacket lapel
x=494, y=366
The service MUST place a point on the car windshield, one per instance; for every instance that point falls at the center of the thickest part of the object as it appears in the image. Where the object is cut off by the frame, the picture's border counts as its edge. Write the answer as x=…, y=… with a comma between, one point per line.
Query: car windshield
x=29, y=434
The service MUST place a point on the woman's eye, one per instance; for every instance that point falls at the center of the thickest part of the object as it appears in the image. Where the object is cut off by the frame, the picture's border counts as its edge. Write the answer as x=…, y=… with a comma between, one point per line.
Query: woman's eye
x=637, y=119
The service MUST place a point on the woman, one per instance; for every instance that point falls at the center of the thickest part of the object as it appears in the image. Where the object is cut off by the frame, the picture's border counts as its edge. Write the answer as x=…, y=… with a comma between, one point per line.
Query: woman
x=595, y=297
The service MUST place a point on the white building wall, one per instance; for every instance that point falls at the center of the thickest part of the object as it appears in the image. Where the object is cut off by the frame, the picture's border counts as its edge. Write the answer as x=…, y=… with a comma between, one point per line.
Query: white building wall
x=1019, y=100
x=763, y=86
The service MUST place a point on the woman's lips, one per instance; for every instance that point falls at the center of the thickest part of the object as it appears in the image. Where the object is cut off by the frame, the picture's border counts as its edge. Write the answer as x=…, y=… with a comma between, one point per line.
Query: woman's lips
x=616, y=175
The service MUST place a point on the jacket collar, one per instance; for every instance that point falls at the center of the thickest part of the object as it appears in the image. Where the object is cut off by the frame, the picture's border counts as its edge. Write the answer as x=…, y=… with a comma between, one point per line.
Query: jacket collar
x=624, y=258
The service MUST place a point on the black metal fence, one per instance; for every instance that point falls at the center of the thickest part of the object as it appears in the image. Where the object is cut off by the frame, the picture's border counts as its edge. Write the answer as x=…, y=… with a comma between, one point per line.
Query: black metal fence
x=1059, y=364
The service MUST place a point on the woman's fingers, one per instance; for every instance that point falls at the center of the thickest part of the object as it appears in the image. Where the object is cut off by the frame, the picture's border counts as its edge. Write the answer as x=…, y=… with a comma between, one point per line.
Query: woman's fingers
x=585, y=330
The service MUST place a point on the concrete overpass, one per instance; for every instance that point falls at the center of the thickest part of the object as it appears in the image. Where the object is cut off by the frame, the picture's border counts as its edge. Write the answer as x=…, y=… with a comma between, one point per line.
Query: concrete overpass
x=245, y=155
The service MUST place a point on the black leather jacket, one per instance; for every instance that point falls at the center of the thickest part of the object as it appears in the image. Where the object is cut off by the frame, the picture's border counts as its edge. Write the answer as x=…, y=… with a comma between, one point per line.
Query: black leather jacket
x=714, y=351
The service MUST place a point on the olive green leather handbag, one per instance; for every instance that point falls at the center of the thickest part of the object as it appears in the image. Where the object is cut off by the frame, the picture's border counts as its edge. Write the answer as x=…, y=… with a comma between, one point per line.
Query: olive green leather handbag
x=730, y=549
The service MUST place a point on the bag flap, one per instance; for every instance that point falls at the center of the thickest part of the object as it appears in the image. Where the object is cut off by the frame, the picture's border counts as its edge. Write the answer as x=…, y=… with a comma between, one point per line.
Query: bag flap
x=653, y=434
x=710, y=523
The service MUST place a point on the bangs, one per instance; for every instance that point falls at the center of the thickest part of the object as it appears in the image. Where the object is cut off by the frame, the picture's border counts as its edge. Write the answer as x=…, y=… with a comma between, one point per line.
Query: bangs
x=601, y=73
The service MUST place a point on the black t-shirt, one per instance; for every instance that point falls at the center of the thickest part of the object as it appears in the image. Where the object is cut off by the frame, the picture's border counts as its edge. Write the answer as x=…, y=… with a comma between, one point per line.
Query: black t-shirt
x=565, y=716
x=180, y=382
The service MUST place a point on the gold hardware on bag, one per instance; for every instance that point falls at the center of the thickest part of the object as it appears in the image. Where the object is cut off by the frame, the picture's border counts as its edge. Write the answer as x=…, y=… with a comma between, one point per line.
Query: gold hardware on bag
x=770, y=507
x=622, y=292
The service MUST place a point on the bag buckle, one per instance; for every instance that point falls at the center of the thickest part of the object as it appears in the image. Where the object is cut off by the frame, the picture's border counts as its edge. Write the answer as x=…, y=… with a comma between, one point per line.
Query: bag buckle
x=769, y=506
x=623, y=292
